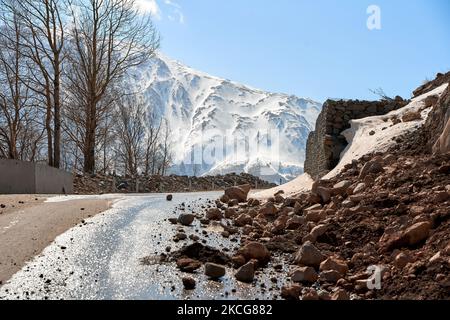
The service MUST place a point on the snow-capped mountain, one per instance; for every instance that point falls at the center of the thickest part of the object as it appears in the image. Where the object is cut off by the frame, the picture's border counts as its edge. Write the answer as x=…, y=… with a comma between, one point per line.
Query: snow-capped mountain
x=219, y=126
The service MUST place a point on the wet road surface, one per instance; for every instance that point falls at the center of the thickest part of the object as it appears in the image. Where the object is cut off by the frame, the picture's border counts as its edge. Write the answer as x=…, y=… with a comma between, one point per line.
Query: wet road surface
x=101, y=258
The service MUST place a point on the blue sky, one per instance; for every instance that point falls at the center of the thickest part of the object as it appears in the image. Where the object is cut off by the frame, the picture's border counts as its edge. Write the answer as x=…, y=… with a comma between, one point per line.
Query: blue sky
x=316, y=49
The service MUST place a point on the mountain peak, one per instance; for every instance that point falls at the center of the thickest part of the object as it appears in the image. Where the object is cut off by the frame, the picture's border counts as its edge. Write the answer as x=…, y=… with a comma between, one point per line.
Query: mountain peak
x=210, y=116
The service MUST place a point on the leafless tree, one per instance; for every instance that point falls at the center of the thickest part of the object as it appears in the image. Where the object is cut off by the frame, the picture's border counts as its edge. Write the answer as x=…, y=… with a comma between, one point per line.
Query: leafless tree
x=19, y=133
x=153, y=126
x=131, y=133
x=108, y=37
x=165, y=149
x=43, y=43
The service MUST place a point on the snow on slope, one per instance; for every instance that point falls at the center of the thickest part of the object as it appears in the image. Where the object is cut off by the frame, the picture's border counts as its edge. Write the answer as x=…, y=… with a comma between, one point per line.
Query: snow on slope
x=362, y=143
x=219, y=126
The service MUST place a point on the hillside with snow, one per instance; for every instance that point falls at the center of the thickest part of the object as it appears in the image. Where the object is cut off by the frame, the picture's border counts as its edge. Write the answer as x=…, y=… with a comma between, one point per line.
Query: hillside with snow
x=219, y=126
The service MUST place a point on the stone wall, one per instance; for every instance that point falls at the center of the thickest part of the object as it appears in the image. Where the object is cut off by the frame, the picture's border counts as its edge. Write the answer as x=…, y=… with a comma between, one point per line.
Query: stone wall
x=325, y=144
x=19, y=177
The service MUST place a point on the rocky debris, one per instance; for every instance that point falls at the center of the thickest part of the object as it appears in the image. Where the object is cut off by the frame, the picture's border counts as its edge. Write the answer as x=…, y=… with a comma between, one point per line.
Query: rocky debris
x=180, y=236
x=310, y=294
x=334, y=264
x=371, y=167
x=341, y=187
x=340, y=294
x=214, y=271
x=402, y=259
x=214, y=214
x=255, y=251
x=169, y=197
x=186, y=219
x=188, y=265
x=100, y=184
x=243, y=220
x=202, y=253
x=239, y=193
x=304, y=275
x=246, y=273
x=309, y=255
x=412, y=116
x=316, y=232
x=412, y=236
x=331, y=276
x=189, y=283
x=230, y=213
x=291, y=292
x=386, y=210
x=269, y=209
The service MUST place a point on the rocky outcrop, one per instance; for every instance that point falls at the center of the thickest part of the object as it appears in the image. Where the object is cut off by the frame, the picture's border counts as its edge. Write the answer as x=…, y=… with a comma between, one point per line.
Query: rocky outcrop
x=325, y=144
x=441, y=78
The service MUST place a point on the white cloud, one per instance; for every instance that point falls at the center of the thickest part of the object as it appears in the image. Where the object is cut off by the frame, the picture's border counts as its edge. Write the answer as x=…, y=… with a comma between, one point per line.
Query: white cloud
x=176, y=14
x=152, y=7
x=149, y=7
x=173, y=4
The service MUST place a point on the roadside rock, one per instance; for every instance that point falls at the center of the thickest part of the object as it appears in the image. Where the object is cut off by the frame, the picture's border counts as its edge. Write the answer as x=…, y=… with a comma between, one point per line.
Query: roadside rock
x=243, y=220
x=340, y=295
x=360, y=187
x=310, y=294
x=268, y=209
x=239, y=193
x=309, y=255
x=375, y=166
x=412, y=116
x=304, y=275
x=334, y=264
x=316, y=232
x=246, y=273
x=186, y=219
x=291, y=292
x=295, y=222
x=417, y=233
x=230, y=213
x=257, y=251
x=214, y=271
x=214, y=214
x=169, y=197
x=341, y=187
x=332, y=276
x=188, y=265
x=189, y=283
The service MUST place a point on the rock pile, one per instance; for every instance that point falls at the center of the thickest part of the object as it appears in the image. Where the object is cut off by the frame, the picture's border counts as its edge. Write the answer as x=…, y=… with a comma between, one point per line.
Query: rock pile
x=386, y=212
x=100, y=184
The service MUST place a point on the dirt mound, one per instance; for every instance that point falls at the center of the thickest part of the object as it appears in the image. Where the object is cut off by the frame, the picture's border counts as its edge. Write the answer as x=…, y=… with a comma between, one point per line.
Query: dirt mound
x=201, y=253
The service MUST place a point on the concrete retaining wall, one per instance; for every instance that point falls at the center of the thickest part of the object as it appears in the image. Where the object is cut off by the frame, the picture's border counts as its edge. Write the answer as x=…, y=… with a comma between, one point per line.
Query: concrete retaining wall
x=18, y=177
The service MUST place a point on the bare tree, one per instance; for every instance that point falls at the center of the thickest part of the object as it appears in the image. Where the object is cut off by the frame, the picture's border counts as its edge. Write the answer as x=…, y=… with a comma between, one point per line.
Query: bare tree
x=19, y=133
x=166, y=150
x=43, y=43
x=131, y=133
x=108, y=37
x=151, y=143
x=380, y=93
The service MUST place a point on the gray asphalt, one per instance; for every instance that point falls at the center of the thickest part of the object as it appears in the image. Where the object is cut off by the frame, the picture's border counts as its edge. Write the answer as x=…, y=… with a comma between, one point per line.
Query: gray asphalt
x=101, y=259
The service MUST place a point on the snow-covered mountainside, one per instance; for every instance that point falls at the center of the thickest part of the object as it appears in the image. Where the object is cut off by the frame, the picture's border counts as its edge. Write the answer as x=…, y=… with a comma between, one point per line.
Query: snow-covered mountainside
x=219, y=126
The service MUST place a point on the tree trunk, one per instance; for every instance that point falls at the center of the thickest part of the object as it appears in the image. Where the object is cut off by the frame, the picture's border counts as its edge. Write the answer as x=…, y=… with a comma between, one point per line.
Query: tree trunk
x=57, y=115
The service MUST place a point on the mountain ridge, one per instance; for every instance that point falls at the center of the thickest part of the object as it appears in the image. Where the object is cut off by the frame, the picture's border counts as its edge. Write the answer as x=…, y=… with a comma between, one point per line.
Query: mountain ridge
x=208, y=113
